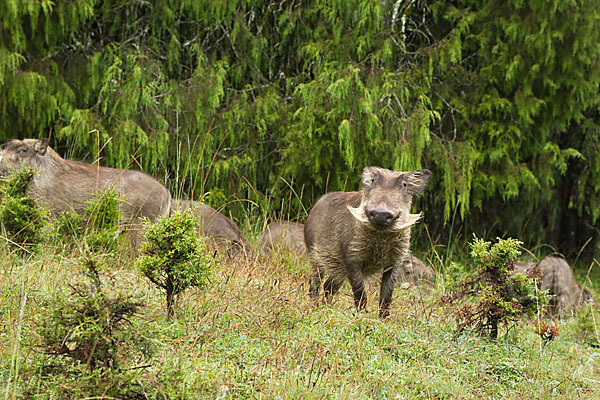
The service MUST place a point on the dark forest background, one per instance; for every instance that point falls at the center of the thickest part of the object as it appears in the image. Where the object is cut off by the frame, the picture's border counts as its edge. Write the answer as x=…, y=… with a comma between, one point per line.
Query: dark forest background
x=266, y=105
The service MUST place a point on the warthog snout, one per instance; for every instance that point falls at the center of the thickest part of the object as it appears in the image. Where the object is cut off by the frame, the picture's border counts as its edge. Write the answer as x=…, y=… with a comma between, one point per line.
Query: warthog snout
x=382, y=217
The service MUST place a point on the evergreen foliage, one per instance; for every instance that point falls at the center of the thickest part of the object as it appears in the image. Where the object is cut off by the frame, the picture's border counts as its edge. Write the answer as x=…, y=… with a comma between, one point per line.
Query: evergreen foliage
x=88, y=339
x=173, y=257
x=498, y=98
x=89, y=326
x=21, y=219
x=493, y=294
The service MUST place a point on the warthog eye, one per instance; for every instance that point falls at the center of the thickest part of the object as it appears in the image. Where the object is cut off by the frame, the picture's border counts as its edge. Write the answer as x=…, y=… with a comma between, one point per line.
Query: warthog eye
x=404, y=184
x=21, y=150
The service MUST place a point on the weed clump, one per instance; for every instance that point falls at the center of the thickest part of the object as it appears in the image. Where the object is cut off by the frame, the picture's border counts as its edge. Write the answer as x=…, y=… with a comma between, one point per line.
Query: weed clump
x=21, y=218
x=586, y=325
x=493, y=294
x=173, y=257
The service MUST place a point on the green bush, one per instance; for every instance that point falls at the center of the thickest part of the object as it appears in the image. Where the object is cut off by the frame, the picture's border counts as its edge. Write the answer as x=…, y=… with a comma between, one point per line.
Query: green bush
x=173, y=257
x=98, y=228
x=91, y=345
x=91, y=326
x=21, y=218
x=493, y=294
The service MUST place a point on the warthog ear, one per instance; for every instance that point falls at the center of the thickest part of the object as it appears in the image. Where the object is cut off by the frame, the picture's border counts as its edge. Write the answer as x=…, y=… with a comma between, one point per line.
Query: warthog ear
x=417, y=180
x=41, y=146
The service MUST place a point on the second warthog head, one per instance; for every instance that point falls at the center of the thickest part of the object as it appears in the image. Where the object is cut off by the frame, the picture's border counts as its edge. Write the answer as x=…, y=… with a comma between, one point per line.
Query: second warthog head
x=387, y=197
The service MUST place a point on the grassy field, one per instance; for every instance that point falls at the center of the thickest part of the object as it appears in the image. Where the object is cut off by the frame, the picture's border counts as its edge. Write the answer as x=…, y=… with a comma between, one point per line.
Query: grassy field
x=253, y=333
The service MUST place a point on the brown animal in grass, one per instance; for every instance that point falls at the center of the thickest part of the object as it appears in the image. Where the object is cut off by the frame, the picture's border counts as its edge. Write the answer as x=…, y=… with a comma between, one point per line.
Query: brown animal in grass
x=66, y=185
x=356, y=234
x=223, y=232
x=558, y=279
x=523, y=267
x=415, y=272
x=283, y=235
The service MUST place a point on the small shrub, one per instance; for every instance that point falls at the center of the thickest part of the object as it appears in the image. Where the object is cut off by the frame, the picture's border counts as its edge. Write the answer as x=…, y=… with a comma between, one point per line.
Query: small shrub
x=493, y=294
x=89, y=326
x=21, y=218
x=173, y=257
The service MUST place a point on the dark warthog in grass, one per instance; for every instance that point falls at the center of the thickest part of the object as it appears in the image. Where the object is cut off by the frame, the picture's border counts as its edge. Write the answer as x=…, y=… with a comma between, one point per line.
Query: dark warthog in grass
x=66, y=185
x=283, y=235
x=223, y=232
x=356, y=234
x=557, y=278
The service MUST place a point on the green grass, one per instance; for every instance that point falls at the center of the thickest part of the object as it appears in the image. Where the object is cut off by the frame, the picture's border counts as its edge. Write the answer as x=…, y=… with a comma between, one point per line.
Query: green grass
x=253, y=333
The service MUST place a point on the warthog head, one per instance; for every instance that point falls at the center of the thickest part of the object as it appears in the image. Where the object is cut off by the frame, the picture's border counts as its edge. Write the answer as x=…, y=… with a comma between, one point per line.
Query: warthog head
x=387, y=198
x=18, y=153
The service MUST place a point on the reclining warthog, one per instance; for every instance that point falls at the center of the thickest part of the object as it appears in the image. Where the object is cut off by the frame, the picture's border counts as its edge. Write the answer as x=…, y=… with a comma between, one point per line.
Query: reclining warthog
x=523, y=267
x=557, y=278
x=356, y=234
x=224, y=233
x=284, y=235
x=66, y=185
x=415, y=272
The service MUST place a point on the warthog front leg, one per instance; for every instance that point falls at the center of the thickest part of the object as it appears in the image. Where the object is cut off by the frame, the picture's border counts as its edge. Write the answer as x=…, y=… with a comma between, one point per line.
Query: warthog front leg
x=331, y=287
x=388, y=282
x=358, y=287
x=316, y=277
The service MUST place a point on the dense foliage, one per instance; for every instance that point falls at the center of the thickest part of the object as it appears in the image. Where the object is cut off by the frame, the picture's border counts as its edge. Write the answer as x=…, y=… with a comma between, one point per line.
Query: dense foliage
x=21, y=219
x=251, y=99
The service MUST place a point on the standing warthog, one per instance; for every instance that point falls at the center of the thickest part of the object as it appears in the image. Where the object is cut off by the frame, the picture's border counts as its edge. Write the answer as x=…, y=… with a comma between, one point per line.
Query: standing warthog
x=66, y=185
x=558, y=279
x=356, y=234
x=222, y=231
x=284, y=235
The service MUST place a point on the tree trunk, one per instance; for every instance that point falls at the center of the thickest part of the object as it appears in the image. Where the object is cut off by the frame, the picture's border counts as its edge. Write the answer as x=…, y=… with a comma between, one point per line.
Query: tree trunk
x=170, y=302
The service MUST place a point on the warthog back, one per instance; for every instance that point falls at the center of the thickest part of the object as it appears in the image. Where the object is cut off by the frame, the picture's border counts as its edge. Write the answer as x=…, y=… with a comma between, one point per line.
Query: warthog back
x=283, y=235
x=351, y=235
x=223, y=231
x=556, y=277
